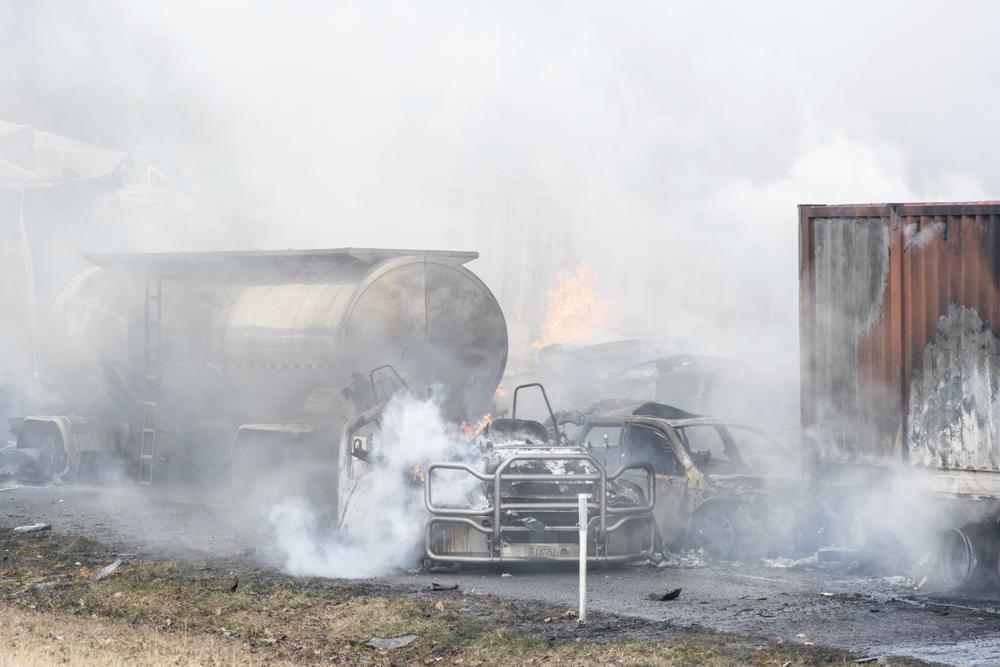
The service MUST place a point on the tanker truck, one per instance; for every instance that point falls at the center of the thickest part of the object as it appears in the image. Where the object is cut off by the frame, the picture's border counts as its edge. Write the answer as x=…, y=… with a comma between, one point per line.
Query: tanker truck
x=186, y=366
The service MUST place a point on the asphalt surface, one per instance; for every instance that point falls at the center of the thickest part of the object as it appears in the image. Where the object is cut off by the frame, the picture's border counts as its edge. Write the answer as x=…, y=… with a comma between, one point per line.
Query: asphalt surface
x=863, y=614
x=825, y=605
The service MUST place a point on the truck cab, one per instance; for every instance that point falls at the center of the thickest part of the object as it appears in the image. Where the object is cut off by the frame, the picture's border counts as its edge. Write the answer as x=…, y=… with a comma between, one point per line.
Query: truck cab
x=526, y=504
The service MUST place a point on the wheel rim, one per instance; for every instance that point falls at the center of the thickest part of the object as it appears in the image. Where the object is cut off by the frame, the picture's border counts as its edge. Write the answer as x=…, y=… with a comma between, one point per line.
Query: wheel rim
x=956, y=557
x=715, y=533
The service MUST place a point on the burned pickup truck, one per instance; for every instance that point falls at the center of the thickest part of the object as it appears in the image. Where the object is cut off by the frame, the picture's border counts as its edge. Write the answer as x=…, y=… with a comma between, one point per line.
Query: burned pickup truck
x=522, y=504
x=722, y=486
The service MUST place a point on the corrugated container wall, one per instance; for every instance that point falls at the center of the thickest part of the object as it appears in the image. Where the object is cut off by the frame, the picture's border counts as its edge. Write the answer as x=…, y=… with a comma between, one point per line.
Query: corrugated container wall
x=899, y=325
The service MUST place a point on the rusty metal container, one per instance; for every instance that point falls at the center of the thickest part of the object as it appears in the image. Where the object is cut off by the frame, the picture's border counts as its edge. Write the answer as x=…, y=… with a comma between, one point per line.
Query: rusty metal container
x=265, y=336
x=899, y=327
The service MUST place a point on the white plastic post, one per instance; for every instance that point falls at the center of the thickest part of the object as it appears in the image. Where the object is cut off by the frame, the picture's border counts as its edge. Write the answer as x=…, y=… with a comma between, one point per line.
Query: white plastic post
x=582, y=505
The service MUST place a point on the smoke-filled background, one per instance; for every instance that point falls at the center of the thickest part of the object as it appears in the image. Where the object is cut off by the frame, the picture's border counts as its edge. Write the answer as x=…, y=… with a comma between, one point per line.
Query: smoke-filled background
x=625, y=170
x=664, y=146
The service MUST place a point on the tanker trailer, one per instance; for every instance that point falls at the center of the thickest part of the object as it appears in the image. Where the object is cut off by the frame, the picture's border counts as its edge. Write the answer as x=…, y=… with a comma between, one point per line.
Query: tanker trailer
x=180, y=364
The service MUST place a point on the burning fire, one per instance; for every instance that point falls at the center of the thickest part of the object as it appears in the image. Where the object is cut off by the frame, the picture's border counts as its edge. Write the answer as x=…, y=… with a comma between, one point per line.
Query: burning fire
x=472, y=431
x=573, y=307
x=418, y=474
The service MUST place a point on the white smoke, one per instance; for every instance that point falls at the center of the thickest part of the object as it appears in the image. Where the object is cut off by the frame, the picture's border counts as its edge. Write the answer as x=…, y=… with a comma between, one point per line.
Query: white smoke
x=385, y=517
x=666, y=145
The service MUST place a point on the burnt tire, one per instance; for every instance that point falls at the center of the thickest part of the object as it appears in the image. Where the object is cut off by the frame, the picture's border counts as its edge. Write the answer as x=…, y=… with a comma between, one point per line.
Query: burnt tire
x=966, y=557
x=715, y=530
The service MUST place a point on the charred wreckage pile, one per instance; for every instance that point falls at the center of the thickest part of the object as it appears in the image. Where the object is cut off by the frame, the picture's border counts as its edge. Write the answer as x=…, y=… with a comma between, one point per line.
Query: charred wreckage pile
x=277, y=367
x=656, y=477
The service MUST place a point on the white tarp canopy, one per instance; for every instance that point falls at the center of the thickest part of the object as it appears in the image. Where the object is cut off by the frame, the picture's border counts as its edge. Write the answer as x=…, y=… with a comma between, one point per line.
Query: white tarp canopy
x=28, y=154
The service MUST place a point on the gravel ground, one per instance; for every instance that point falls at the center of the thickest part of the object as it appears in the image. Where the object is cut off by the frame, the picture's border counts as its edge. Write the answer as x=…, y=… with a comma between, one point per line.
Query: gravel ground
x=857, y=612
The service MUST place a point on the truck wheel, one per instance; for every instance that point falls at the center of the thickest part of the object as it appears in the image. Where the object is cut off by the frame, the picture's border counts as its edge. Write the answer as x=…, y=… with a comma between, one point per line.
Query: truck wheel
x=957, y=559
x=714, y=530
x=51, y=457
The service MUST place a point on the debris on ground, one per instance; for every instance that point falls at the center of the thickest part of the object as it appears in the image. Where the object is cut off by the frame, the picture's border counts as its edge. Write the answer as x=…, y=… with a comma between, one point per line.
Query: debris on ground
x=692, y=558
x=33, y=528
x=835, y=554
x=899, y=581
x=569, y=613
x=435, y=586
x=790, y=563
x=665, y=597
x=387, y=643
x=106, y=570
x=42, y=586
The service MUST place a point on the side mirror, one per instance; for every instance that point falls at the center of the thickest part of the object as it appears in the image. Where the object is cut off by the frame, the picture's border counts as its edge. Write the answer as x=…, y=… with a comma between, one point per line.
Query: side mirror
x=357, y=449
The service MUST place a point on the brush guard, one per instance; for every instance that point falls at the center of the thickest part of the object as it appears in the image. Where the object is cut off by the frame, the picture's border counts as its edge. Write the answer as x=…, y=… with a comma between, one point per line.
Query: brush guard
x=492, y=534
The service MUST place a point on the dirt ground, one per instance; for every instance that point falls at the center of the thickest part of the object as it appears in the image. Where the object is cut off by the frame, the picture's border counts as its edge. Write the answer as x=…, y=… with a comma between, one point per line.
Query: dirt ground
x=156, y=612
x=171, y=602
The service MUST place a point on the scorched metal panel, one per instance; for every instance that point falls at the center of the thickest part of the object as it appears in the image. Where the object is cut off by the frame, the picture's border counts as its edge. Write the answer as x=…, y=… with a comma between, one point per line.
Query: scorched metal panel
x=899, y=325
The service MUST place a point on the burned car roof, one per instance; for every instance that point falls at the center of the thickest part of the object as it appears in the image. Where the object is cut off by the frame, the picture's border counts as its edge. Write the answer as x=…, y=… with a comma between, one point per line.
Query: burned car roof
x=617, y=408
x=710, y=421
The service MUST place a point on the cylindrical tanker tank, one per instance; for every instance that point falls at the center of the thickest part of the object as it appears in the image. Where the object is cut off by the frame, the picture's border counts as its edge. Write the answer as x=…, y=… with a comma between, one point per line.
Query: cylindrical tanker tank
x=250, y=337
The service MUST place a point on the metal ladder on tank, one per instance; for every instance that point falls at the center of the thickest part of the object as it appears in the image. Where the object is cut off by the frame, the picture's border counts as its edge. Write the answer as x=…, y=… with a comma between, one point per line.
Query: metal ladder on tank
x=152, y=369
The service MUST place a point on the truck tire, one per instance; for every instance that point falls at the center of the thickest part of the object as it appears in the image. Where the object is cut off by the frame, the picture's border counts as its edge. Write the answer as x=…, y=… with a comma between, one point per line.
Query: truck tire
x=714, y=529
x=957, y=558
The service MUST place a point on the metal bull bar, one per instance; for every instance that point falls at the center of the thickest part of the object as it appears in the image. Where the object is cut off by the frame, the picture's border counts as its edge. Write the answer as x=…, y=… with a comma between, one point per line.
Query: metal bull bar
x=605, y=523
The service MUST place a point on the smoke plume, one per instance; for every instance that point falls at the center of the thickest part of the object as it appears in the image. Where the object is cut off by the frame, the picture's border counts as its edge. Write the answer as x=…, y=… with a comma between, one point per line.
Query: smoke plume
x=384, y=520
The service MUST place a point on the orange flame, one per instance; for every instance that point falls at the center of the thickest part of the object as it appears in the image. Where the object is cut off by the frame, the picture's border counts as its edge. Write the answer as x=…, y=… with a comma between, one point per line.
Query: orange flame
x=573, y=307
x=419, y=474
x=472, y=431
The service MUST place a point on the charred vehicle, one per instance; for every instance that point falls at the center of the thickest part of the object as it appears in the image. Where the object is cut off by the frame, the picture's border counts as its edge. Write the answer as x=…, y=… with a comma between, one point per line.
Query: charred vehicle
x=720, y=485
x=521, y=502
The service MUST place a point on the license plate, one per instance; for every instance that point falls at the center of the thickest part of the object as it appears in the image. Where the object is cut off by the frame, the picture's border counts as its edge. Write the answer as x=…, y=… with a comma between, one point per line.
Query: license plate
x=540, y=551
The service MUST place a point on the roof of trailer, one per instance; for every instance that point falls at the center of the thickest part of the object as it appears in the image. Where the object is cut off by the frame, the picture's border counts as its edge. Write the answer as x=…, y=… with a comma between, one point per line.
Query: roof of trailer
x=904, y=208
x=110, y=260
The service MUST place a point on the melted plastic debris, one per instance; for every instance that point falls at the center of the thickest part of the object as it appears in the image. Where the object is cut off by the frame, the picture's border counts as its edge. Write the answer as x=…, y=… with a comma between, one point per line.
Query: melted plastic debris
x=387, y=643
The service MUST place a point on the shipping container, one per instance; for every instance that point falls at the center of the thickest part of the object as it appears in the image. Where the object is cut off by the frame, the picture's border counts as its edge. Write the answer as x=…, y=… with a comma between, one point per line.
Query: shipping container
x=899, y=327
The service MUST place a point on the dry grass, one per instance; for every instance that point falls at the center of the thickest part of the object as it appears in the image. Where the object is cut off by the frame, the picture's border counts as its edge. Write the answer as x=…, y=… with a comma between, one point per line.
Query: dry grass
x=159, y=613
x=31, y=638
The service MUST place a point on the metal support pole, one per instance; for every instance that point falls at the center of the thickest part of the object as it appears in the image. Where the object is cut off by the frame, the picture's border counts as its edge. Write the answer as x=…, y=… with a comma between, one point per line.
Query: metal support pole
x=582, y=505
